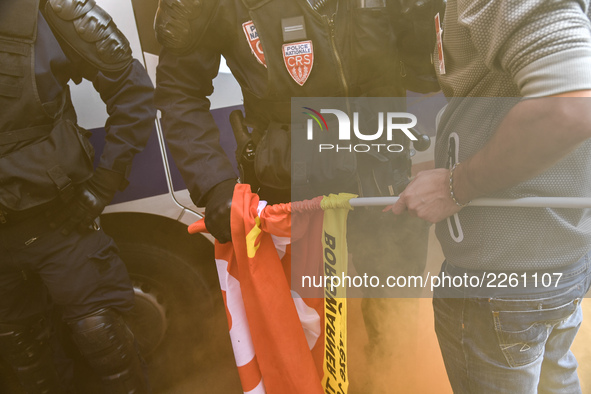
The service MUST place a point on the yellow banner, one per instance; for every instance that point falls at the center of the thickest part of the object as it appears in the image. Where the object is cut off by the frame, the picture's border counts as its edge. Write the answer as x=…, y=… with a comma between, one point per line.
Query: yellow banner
x=334, y=246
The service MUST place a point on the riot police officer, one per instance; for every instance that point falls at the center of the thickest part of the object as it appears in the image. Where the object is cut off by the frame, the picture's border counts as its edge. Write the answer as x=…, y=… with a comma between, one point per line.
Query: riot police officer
x=350, y=48
x=52, y=250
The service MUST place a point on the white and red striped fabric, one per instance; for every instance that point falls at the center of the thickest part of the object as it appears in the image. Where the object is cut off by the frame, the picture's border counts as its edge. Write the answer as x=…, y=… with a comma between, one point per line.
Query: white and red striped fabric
x=277, y=337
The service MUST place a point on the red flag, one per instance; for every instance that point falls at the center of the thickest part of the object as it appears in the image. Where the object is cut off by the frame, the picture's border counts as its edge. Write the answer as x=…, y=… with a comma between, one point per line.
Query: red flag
x=274, y=333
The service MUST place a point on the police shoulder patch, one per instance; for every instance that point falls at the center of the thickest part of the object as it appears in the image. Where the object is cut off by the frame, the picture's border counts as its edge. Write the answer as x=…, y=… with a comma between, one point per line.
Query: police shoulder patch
x=90, y=31
x=254, y=42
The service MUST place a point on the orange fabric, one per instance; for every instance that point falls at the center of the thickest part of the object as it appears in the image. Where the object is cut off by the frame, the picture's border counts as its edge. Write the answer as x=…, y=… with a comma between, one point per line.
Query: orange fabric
x=250, y=375
x=306, y=237
x=265, y=321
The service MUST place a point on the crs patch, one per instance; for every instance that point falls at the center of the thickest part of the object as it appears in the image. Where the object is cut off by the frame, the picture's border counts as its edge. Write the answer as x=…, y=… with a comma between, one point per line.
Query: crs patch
x=252, y=37
x=299, y=59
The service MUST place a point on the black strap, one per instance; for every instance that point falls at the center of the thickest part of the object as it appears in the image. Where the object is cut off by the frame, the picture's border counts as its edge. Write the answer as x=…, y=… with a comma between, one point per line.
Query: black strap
x=14, y=136
x=62, y=181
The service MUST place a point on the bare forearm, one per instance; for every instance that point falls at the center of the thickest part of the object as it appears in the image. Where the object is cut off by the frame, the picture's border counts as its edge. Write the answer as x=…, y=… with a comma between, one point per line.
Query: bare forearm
x=534, y=135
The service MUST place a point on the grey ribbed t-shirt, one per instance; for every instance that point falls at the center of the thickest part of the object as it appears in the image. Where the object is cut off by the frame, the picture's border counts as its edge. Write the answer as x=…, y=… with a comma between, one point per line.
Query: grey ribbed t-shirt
x=497, y=52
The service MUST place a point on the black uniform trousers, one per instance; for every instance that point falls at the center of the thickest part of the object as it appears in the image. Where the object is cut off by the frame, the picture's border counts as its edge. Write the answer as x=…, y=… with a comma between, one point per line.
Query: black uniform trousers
x=39, y=266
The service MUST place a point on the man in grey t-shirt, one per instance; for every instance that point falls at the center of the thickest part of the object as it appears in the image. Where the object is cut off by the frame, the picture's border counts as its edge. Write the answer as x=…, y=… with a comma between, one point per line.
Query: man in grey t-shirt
x=518, y=123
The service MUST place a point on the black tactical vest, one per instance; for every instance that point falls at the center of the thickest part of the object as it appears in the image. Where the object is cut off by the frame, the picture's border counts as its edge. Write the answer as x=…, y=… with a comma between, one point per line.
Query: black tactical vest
x=354, y=52
x=41, y=154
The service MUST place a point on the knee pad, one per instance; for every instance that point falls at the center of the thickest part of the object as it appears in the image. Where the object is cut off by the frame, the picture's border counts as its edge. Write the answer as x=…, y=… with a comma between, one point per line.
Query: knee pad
x=25, y=346
x=108, y=345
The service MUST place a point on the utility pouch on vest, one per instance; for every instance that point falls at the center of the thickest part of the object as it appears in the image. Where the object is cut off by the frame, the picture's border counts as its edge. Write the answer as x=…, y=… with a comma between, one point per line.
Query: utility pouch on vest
x=416, y=41
x=375, y=58
x=324, y=164
x=272, y=161
x=47, y=169
x=383, y=176
x=320, y=172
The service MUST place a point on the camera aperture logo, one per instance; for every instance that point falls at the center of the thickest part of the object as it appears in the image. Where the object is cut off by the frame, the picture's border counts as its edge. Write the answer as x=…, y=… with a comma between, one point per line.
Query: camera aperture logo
x=388, y=123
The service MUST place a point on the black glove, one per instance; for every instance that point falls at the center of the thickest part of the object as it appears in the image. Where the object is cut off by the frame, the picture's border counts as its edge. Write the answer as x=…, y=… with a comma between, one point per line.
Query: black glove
x=88, y=203
x=217, y=210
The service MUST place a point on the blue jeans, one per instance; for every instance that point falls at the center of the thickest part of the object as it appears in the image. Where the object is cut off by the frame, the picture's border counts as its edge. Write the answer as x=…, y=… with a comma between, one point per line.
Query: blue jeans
x=512, y=343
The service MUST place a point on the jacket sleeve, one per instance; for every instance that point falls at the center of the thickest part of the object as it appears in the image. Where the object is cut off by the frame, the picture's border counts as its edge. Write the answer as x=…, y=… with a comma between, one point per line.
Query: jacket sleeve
x=128, y=95
x=183, y=84
x=100, y=53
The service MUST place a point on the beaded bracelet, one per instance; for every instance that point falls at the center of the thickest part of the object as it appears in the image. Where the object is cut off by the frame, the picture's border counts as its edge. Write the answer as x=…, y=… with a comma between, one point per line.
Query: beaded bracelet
x=451, y=187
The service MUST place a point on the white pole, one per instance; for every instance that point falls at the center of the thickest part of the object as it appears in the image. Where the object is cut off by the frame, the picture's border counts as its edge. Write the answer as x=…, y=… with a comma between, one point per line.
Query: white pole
x=527, y=202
